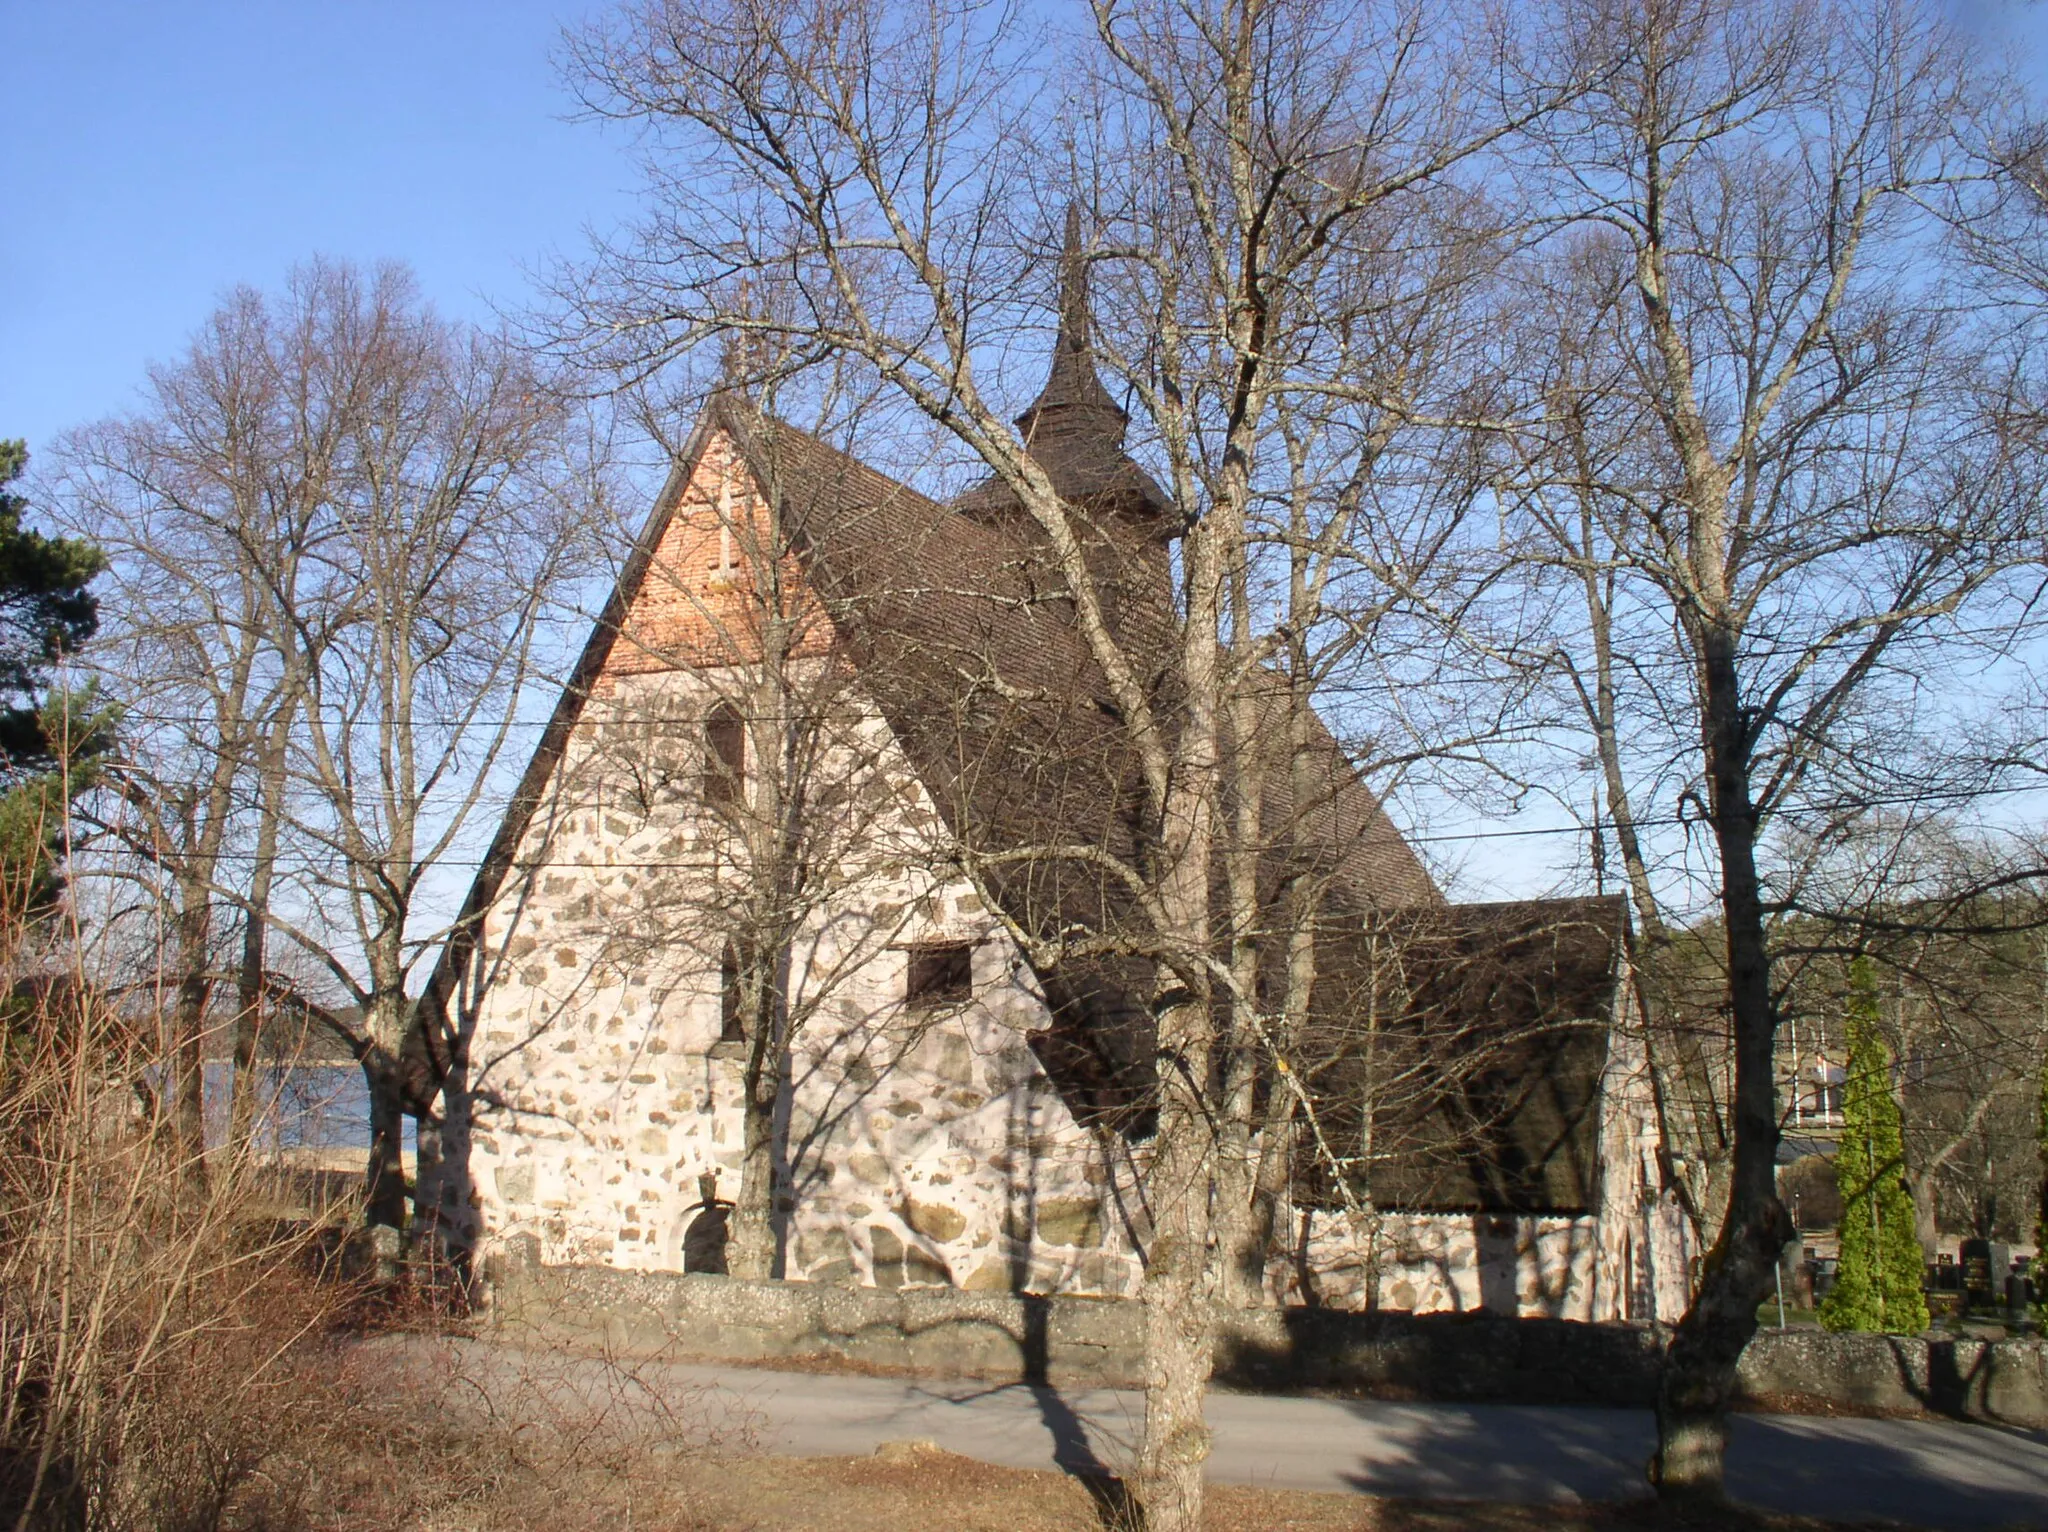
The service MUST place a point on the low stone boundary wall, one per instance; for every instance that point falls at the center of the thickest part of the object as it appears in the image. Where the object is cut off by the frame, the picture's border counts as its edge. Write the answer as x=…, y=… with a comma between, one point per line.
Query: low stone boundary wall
x=938, y=1331
x=1472, y=1357
x=1996, y=1382
x=1095, y=1342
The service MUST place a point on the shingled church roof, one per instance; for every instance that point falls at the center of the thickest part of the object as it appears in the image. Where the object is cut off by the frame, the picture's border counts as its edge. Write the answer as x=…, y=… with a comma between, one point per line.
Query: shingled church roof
x=1489, y=1030
x=1009, y=722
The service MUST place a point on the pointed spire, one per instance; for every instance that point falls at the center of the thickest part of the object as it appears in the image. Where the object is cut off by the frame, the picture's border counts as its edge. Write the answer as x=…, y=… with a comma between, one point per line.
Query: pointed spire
x=1074, y=315
x=1073, y=399
x=1075, y=431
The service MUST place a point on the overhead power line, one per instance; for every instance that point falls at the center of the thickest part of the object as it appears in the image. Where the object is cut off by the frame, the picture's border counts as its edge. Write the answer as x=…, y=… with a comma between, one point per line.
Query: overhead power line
x=1433, y=837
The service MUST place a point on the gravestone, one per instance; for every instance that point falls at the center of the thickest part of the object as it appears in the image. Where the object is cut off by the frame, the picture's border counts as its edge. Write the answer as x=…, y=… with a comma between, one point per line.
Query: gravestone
x=1985, y=1265
x=2019, y=1291
x=1794, y=1285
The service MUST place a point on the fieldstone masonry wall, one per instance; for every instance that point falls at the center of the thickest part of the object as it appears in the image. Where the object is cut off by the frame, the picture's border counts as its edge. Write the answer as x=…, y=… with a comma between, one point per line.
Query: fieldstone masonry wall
x=1082, y=1342
x=923, y=1146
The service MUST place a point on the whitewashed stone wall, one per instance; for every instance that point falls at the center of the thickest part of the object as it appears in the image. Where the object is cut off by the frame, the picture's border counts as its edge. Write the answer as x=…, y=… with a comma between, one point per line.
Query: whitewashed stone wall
x=923, y=1147
x=1428, y=1263
x=1647, y=1246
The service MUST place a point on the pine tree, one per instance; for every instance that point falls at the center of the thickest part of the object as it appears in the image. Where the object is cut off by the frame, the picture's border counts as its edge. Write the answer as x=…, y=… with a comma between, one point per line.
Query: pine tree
x=49, y=742
x=45, y=612
x=1880, y=1283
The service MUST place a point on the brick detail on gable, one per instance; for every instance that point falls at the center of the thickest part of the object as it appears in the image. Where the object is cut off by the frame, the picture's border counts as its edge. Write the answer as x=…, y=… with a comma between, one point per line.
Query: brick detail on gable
x=715, y=581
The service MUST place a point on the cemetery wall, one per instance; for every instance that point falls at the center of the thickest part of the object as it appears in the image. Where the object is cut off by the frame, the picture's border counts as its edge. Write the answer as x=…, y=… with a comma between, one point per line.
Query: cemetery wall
x=1095, y=1342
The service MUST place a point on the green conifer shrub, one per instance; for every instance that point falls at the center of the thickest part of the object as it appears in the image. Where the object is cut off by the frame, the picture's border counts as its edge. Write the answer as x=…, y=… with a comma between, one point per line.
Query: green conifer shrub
x=2040, y=1270
x=52, y=741
x=1880, y=1282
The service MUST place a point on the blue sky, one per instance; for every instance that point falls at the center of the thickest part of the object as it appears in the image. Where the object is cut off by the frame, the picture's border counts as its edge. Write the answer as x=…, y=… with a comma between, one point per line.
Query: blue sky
x=156, y=154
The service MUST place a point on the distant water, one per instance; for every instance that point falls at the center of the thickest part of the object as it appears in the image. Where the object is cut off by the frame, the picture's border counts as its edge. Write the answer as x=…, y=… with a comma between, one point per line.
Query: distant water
x=300, y=1106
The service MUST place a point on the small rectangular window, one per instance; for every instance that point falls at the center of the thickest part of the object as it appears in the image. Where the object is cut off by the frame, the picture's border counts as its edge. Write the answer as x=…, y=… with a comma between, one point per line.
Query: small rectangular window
x=941, y=973
x=725, y=756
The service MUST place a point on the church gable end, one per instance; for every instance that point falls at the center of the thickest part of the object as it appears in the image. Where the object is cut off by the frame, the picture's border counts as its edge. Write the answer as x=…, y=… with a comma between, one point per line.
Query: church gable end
x=719, y=575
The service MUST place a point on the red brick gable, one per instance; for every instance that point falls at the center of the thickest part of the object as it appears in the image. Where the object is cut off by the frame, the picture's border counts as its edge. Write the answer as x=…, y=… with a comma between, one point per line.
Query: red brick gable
x=713, y=579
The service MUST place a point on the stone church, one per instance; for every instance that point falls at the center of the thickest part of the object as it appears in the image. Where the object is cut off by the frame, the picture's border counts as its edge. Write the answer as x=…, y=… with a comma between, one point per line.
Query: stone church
x=964, y=1097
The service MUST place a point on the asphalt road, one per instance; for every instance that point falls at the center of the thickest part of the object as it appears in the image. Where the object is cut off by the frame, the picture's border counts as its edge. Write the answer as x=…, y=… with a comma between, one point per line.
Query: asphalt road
x=1920, y=1473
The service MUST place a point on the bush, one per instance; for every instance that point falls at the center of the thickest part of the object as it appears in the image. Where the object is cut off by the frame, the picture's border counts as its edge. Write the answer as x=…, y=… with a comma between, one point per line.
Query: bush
x=176, y=1356
x=154, y=1332
x=1807, y=1187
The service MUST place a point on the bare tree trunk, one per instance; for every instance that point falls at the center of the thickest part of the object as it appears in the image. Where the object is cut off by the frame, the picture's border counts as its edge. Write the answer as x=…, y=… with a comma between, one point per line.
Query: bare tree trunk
x=1273, y=1181
x=1179, y=1319
x=1274, y=1184
x=193, y=927
x=1179, y=1326
x=1699, y=1368
x=771, y=831
x=754, y=1251
x=1926, y=1223
x=2040, y=1269
x=384, y=1173
x=250, y=977
x=1243, y=1228
x=1241, y=1244
x=384, y=1188
x=1603, y=708
x=1926, y=1182
x=1253, y=1231
x=753, y=1248
x=1242, y=1239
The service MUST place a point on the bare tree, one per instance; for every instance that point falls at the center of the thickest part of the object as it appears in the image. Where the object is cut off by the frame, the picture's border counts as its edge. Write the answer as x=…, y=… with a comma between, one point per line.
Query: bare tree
x=1247, y=163
x=455, y=525
x=207, y=500
x=1765, y=467
x=340, y=520
x=1360, y=580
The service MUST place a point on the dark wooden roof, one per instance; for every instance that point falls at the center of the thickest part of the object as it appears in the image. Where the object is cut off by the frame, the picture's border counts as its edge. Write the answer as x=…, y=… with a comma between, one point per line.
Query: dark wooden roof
x=1478, y=1033
x=1075, y=431
x=973, y=656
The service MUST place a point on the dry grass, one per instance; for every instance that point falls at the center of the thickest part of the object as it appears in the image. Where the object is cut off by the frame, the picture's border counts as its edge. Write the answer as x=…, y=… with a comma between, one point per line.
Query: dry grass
x=934, y=1491
x=153, y=1327
x=437, y=1444
x=175, y=1357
